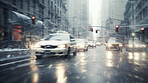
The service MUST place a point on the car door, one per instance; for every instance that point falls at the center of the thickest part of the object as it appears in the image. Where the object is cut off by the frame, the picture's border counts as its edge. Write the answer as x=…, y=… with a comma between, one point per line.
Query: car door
x=72, y=43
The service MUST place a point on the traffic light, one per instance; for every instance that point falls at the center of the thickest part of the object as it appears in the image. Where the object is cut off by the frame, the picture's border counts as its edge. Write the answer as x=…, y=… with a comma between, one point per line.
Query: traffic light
x=116, y=28
x=96, y=31
x=142, y=30
x=33, y=20
x=91, y=29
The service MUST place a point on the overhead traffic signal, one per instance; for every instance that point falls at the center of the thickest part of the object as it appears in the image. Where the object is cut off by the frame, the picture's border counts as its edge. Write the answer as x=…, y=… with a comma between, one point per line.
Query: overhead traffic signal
x=142, y=30
x=91, y=29
x=116, y=28
x=33, y=20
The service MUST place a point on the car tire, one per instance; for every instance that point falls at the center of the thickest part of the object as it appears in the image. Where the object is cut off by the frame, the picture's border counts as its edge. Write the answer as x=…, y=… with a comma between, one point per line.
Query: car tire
x=39, y=56
x=75, y=53
x=84, y=50
x=68, y=53
x=87, y=49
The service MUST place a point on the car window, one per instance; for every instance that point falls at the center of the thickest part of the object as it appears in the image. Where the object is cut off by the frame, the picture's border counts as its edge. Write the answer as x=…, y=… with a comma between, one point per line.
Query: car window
x=71, y=37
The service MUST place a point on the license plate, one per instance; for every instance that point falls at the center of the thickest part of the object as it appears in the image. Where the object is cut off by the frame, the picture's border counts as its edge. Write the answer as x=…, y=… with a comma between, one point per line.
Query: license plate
x=47, y=51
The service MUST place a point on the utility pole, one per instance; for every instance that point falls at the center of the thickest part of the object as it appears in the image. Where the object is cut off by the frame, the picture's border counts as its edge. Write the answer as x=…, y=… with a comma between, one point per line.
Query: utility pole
x=133, y=22
x=73, y=25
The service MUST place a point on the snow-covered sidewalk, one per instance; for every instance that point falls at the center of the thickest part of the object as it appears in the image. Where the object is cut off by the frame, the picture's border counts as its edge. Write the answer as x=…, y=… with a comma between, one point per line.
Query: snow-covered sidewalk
x=12, y=50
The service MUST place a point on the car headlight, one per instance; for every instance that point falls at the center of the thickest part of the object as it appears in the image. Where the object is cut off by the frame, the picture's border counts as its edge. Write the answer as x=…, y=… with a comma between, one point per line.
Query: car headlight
x=130, y=46
x=143, y=45
x=37, y=46
x=136, y=45
x=109, y=45
x=62, y=46
x=120, y=45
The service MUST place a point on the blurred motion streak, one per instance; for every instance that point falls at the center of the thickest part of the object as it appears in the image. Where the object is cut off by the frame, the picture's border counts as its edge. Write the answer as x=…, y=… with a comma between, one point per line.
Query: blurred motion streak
x=60, y=73
x=109, y=57
x=34, y=68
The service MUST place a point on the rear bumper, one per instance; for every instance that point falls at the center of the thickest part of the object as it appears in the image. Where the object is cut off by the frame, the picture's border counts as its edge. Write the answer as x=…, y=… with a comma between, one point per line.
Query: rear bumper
x=114, y=48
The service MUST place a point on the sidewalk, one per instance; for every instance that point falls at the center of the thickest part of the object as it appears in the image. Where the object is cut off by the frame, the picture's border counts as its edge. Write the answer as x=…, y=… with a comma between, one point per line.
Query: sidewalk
x=12, y=50
x=11, y=53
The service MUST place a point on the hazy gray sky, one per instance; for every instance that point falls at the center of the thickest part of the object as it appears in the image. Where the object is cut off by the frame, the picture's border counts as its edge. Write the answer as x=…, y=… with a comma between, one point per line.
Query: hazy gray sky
x=95, y=11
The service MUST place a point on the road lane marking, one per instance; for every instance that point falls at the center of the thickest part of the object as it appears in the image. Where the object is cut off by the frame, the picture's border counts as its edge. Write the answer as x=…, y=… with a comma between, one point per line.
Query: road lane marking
x=50, y=66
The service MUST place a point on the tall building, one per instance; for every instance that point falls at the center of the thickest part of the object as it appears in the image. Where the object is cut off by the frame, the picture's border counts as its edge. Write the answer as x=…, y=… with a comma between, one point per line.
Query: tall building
x=137, y=12
x=78, y=13
x=16, y=15
x=116, y=10
x=112, y=14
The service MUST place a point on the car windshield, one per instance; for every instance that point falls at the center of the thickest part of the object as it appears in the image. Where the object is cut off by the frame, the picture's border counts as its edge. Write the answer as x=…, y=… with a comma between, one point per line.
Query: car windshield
x=113, y=41
x=57, y=37
x=80, y=41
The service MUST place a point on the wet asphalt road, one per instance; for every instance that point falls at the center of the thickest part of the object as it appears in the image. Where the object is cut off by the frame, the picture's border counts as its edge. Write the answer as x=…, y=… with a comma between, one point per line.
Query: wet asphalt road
x=94, y=66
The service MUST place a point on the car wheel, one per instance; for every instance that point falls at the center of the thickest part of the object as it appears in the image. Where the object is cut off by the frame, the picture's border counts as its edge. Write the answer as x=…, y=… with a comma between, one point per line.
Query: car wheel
x=75, y=53
x=84, y=50
x=38, y=56
x=68, y=53
x=87, y=49
x=126, y=49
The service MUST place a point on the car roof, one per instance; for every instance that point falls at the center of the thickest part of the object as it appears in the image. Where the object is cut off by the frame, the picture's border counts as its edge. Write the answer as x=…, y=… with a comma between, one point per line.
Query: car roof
x=62, y=32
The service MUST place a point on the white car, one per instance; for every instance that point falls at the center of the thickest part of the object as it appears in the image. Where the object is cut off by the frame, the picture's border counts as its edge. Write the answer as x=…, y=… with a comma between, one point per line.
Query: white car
x=56, y=45
x=91, y=44
x=82, y=44
x=114, y=44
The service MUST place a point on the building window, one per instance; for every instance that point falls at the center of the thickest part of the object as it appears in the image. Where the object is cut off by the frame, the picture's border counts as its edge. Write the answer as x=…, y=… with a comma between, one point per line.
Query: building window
x=21, y=4
x=14, y=2
x=48, y=3
x=28, y=4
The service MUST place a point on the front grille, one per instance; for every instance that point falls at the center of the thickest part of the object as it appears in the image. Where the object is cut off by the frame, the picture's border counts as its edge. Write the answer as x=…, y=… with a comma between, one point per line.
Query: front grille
x=115, y=45
x=48, y=46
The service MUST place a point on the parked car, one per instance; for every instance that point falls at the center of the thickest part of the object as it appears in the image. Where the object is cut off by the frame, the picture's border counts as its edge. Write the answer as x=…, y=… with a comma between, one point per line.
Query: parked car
x=91, y=44
x=82, y=44
x=114, y=44
x=57, y=44
x=99, y=43
x=134, y=44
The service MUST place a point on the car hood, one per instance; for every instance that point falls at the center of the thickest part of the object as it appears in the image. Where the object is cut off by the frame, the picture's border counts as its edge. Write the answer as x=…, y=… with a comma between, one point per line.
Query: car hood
x=52, y=42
